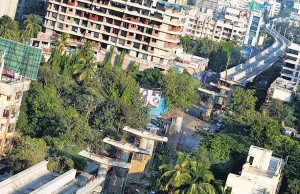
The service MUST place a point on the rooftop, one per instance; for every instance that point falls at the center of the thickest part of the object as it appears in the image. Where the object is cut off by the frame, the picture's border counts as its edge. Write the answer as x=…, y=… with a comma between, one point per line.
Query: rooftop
x=273, y=168
x=146, y=134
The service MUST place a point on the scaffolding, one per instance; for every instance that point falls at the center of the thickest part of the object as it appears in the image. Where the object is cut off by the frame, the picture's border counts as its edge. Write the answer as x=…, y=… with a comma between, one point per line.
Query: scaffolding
x=21, y=58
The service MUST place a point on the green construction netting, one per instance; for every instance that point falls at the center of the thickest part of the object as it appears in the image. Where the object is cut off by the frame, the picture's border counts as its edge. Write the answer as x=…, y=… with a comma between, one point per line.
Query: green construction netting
x=256, y=6
x=21, y=58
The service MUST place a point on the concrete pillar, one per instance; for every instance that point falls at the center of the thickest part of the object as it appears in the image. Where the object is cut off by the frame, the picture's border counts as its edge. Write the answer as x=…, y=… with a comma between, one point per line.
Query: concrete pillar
x=178, y=124
x=102, y=170
x=143, y=143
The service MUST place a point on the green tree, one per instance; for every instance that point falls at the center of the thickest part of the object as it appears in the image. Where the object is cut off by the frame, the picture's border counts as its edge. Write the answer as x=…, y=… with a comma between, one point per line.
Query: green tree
x=85, y=49
x=201, y=179
x=243, y=101
x=120, y=60
x=294, y=186
x=62, y=42
x=264, y=130
x=187, y=44
x=33, y=25
x=108, y=62
x=134, y=70
x=151, y=78
x=86, y=67
x=186, y=176
x=9, y=28
x=28, y=152
x=282, y=113
x=179, y=89
x=60, y=164
x=24, y=38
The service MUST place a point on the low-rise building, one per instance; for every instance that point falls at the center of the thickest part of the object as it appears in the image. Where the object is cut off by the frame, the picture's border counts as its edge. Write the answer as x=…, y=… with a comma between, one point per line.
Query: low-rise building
x=191, y=63
x=262, y=173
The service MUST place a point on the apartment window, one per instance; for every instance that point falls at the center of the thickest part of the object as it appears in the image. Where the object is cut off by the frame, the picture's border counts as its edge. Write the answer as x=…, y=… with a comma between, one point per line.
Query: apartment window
x=131, y=34
x=74, y=28
x=6, y=113
x=2, y=127
x=71, y=9
x=96, y=35
x=63, y=9
x=251, y=160
x=18, y=95
x=10, y=128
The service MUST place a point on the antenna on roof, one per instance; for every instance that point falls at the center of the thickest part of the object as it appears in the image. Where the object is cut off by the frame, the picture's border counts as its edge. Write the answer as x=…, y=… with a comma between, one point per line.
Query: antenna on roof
x=2, y=63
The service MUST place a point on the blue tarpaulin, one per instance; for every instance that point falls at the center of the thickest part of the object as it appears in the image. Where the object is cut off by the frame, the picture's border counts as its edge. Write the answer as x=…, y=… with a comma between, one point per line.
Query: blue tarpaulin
x=162, y=108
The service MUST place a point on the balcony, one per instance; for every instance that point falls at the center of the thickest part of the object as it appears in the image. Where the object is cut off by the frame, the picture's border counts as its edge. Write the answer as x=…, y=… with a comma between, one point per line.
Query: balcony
x=174, y=28
x=71, y=2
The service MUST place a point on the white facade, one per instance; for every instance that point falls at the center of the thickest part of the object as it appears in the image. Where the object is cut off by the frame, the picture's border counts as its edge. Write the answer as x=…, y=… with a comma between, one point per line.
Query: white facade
x=291, y=69
x=10, y=103
x=255, y=21
x=288, y=82
x=260, y=174
x=8, y=7
x=201, y=23
x=275, y=9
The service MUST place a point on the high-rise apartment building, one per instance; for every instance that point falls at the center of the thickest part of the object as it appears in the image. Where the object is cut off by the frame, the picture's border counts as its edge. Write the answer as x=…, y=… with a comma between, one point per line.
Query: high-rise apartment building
x=202, y=23
x=289, y=81
x=262, y=173
x=19, y=65
x=8, y=7
x=145, y=29
x=255, y=22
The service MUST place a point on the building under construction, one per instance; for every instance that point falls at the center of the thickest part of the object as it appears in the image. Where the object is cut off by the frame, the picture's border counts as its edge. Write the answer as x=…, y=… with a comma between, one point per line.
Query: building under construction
x=19, y=65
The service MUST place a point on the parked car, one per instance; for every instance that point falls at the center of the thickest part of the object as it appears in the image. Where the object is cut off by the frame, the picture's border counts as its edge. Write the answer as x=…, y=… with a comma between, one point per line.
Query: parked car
x=156, y=122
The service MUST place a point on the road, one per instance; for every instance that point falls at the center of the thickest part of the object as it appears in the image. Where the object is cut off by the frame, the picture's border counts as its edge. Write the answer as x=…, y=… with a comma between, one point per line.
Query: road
x=242, y=73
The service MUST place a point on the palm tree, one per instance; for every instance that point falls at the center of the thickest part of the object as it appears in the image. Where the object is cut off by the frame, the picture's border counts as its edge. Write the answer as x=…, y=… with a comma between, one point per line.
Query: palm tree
x=85, y=68
x=24, y=38
x=178, y=175
x=33, y=25
x=86, y=48
x=201, y=178
x=62, y=42
x=188, y=176
x=8, y=28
